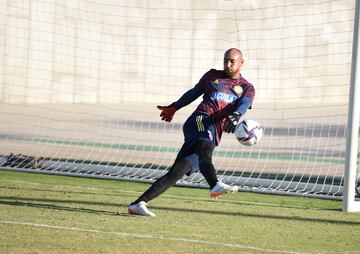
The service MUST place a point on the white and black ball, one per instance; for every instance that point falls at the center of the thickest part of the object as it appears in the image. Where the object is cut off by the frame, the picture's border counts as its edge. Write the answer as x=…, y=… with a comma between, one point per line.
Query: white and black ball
x=248, y=132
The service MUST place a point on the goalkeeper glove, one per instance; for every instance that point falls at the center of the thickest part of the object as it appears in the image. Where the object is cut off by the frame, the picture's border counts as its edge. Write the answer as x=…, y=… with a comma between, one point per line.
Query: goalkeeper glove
x=167, y=112
x=231, y=122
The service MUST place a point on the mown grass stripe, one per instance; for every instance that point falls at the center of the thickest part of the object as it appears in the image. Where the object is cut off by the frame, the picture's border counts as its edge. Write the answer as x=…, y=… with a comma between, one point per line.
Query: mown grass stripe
x=147, y=236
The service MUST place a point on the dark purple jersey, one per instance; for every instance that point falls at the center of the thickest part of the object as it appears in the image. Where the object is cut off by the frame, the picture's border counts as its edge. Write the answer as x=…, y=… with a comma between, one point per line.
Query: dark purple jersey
x=221, y=96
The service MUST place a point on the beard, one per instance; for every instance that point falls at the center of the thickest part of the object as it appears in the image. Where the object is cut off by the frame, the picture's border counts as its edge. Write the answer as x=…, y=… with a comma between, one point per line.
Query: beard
x=229, y=72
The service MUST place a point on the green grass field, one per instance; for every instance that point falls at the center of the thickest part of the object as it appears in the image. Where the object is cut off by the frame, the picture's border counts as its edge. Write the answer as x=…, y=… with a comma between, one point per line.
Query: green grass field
x=54, y=214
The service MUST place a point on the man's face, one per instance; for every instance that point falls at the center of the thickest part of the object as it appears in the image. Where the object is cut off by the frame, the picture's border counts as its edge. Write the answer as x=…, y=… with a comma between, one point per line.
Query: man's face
x=232, y=63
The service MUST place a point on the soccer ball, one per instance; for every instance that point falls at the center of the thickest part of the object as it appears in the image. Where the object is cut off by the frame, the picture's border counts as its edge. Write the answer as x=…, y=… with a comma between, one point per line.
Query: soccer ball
x=248, y=132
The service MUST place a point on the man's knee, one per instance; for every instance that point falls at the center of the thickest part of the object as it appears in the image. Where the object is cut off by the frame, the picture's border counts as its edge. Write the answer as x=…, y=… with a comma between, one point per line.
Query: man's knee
x=180, y=168
x=204, y=149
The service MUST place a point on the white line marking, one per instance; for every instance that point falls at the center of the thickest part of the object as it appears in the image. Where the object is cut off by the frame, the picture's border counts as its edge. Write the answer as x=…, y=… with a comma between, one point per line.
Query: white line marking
x=122, y=234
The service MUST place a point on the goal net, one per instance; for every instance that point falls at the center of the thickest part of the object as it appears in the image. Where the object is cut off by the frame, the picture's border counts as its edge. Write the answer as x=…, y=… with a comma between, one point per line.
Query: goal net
x=80, y=81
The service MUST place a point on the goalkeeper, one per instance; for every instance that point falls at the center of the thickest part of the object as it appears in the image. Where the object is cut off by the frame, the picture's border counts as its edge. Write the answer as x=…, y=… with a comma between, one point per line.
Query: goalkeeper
x=226, y=97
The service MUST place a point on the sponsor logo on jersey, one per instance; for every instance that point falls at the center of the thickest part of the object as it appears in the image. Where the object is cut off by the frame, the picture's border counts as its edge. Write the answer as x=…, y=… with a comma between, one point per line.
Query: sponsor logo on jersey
x=219, y=96
x=216, y=81
x=238, y=90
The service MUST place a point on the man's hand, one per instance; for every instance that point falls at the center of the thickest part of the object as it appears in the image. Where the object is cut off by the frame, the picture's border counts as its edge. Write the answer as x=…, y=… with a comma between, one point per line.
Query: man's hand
x=167, y=112
x=231, y=122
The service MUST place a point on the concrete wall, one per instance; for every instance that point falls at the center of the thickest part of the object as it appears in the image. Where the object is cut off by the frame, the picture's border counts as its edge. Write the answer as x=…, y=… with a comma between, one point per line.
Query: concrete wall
x=152, y=51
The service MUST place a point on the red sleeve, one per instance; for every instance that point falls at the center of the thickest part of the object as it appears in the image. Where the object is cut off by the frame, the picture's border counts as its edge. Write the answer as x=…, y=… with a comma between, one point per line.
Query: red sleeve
x=249, y=92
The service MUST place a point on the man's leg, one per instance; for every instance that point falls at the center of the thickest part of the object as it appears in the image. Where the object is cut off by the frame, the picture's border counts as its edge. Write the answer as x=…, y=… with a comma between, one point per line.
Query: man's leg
x=178, y=170
x=204, y=149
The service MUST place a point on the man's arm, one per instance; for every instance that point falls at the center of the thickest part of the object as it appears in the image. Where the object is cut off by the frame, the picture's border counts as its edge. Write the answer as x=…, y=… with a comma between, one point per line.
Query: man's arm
x=234, y=118
x=245, y=104
x=241, y=107
x=187, y=98
x=168, y=112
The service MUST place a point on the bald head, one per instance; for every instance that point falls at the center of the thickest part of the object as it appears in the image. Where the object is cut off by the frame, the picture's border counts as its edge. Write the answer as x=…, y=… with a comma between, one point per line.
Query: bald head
x=232, y=62
x=233, y=51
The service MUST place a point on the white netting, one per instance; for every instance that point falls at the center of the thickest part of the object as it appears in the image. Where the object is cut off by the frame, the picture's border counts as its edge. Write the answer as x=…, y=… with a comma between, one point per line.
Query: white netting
x=80, y=81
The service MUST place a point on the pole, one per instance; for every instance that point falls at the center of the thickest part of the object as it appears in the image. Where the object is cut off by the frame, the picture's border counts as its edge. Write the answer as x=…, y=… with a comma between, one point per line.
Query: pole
x=349, y=204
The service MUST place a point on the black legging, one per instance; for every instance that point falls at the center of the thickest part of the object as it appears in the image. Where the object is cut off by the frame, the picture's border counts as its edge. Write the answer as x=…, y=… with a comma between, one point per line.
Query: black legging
x=203, y=149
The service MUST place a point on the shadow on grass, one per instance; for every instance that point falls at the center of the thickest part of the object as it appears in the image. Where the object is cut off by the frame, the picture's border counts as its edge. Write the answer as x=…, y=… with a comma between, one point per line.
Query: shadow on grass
x=264, y=216
x=49, y=204
x=114, y=194
x=135, y=194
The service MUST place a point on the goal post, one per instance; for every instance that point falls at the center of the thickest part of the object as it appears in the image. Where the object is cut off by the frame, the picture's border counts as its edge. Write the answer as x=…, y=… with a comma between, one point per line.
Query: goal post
x=80, y=82
x=350, y=204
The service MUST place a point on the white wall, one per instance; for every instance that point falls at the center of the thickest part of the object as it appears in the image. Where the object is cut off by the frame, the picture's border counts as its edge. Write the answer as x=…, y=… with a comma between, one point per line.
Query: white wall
x=152, y=51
